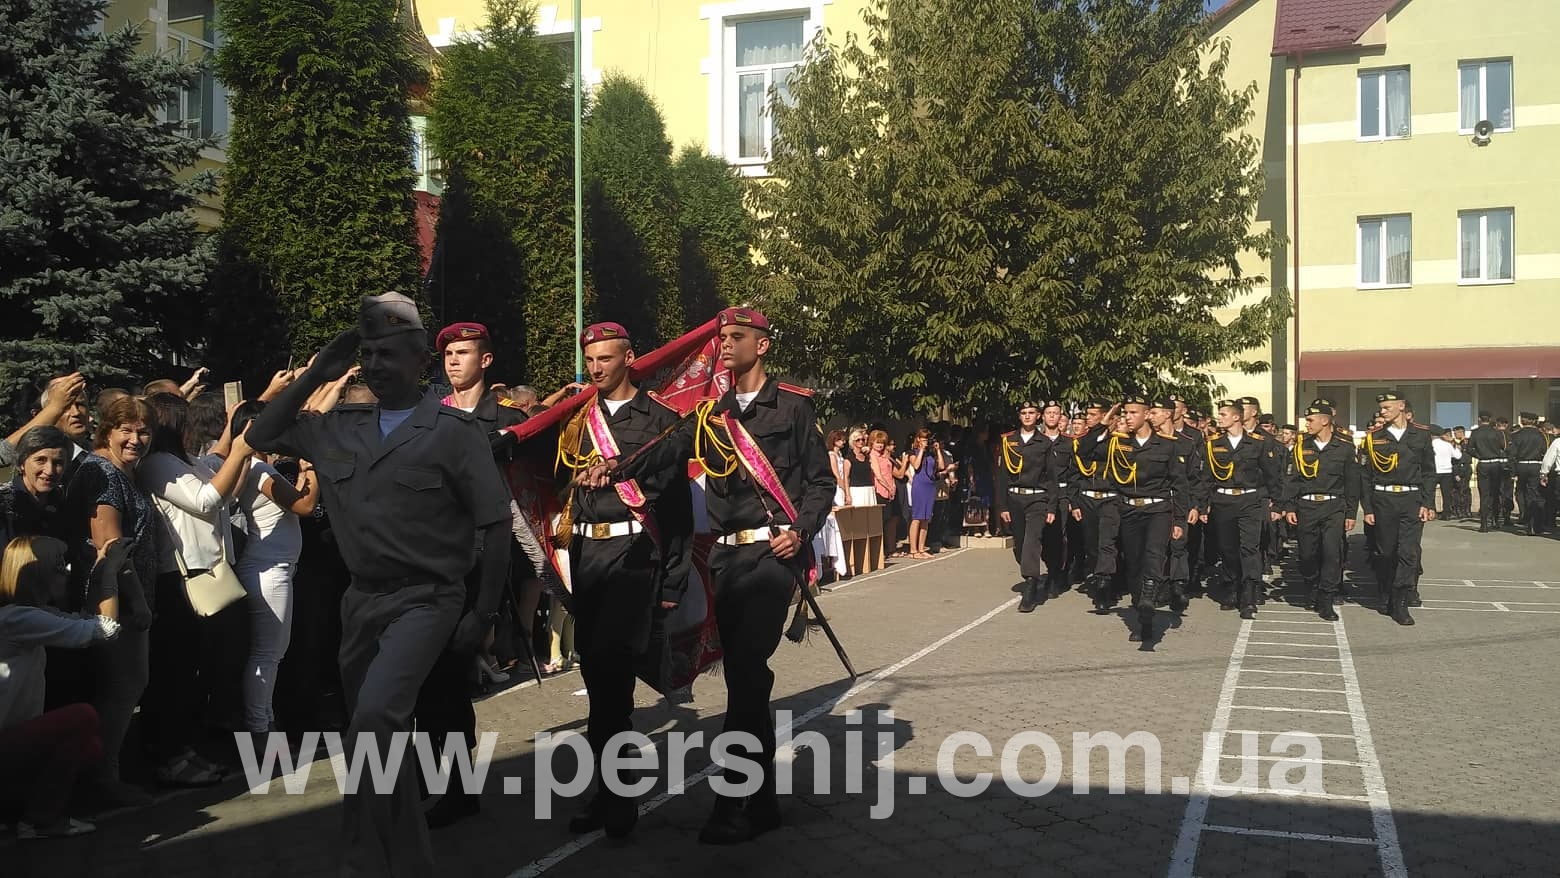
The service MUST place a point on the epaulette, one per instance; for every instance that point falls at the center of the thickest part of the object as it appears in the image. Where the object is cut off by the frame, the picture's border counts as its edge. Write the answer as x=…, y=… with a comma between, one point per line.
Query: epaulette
x=1009, y=433
x=656, y=397
x=508, y=403
x=799, y=391
x=1120, y=435
x=1417, y=424
x=1257, y=435
x=1171, y=435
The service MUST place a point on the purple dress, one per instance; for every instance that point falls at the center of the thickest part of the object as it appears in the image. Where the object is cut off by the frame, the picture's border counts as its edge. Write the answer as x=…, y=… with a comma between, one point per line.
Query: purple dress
x=923, y=488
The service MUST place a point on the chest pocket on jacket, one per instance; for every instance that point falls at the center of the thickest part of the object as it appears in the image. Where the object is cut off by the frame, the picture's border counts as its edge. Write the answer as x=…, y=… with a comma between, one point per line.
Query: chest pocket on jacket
x=777, y=442
x=335, y=470
x=418, y=479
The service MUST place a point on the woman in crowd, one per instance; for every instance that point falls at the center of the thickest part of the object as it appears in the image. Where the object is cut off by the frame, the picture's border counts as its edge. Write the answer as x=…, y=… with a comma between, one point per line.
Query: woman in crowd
x=837, y=466
x=271, y=506
x=33, y=502
x=42, y=754
x=120, y=511
x=923, y=467
x=883, y=483
x=859, y=477
x=193, y=503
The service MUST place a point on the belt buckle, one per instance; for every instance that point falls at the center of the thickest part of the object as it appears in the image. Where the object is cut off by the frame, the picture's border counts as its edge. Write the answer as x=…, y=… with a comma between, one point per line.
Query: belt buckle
x=601, y=530
x=743, y=538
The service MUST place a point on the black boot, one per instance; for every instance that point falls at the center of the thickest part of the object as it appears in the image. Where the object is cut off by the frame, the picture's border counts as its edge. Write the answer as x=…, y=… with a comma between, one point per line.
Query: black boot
x=1098, y=587
x=1324, y=607
x=763, y=807
x=1058, y=584
x=1248, y=599
x=1178, y=599
x=728, y=823
x=1400, y=612
x=453, y=806
x=1031, y=596
x=607, y=811
x=1230, y=595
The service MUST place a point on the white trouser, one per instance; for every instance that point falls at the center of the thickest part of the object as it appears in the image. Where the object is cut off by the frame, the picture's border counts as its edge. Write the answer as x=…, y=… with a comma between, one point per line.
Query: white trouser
x=269, y=586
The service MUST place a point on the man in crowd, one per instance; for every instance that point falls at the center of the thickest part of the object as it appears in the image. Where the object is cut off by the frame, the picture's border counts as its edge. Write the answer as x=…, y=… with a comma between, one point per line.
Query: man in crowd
x=1170, y=420
x=1026, y=480
x=1321, y=496
x=1488, y=445
x=1095, y=505
x=410, y=484
x=1244, y=472
x=1399, y=497
x=1446, y=455
x=1527, y=447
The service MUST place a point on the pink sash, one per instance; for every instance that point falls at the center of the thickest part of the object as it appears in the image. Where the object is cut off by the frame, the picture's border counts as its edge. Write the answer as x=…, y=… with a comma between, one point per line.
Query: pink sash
x=628, y=491
x=758, y=466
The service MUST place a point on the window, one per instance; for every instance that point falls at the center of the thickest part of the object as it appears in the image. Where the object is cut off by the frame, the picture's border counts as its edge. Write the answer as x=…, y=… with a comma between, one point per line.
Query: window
x=1485, y=240
x=1484, y=94
x=200, y=108
x=1386, y=251
x=1384, y=104
x=763, y=53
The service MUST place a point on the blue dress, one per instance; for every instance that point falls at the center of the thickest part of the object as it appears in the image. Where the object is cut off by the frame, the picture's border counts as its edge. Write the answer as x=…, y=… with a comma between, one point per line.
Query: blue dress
x=923, y=488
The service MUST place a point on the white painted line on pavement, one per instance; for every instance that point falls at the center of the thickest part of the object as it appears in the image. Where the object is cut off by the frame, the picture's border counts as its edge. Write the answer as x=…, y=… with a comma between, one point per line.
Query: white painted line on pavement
x=1287, y=793
x=1500, y=606
x=1491, y=610
x=1283, y=633
x=1387, y=847
x=1293, y=658
x=1183, y=860
x=1241, y=757
x=1294, y=622
x=1297, y=836
x=1290, y=732
x=563, y=852
x=1292, y=689
x=1306, y=673
x=1287, y=709
x=877, y=574
x=1301, y=645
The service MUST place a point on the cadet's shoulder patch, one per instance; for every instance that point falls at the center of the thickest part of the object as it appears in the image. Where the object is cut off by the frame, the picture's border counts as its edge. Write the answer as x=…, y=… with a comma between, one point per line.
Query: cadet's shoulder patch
x=792, y=388
x=508, y=403
x=1417, y=424
x=1258, y=435
x=656, y=397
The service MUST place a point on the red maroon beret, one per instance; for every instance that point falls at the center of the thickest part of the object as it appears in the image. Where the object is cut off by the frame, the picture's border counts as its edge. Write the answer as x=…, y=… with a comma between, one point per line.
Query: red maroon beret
x=742, y=317
x=602, y=332
x=459, y=332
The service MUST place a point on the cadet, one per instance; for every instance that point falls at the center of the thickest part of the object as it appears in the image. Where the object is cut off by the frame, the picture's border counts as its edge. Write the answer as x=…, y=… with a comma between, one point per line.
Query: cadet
x=1399, y=497
x=629, y=554
x=443, y=704
x=1186, y=553
x=1321, y=496
x=1527, y=446
x=1027, y=482
x=409, y=484
x=1245, y=474
x=1095, y=505
x=1148, y=471
x=1487, y=443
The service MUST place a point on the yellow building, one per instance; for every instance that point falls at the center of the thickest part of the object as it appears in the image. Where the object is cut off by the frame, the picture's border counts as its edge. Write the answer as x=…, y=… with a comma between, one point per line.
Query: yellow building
x=1409, y=149
x=708, y=65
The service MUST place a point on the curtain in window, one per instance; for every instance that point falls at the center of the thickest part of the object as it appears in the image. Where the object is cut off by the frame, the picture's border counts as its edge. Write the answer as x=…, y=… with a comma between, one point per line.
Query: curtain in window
x=769, y=41
x=1468, y=244
x=751, y=89
x=1469, y=97
x=1398, y=118
x=1498, y=230
x=1370, y=105
x=1399, y=250
x=1497, y=93
x=1370, y=252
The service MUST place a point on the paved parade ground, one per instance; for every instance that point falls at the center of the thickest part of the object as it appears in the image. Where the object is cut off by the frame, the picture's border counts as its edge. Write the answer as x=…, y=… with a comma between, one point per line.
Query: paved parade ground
x=1433, y=748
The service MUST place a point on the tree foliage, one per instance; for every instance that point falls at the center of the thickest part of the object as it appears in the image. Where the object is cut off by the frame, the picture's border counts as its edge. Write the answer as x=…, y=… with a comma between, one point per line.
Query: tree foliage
x=318, y=207
x=101, y=263
x=715, y=234
x=501, y=119
x=1050, y=203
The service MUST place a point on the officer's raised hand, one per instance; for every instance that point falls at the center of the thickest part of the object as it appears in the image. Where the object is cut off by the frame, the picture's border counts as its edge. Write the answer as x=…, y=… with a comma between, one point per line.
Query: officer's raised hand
x=335, y=358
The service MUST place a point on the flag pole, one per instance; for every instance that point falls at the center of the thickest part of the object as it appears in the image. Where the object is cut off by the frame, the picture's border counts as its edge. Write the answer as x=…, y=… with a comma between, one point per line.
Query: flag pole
x=579, y=201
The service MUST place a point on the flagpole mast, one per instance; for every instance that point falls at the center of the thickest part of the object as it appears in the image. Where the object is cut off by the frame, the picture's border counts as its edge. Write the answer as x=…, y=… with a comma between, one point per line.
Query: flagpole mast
x=579, y=201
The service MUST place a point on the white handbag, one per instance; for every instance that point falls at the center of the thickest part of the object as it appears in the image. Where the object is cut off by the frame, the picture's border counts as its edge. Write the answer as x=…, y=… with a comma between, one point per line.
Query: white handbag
x=211, y=591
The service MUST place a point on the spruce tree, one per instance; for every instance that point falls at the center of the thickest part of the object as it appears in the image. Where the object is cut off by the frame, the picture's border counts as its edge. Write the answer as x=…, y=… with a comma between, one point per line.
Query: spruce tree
x=501, y=120
x=318, y=188
x=101, y=262
x=1051, y=203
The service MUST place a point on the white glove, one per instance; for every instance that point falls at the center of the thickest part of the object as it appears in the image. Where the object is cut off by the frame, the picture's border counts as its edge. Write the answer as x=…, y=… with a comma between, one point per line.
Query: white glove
x=107, y=629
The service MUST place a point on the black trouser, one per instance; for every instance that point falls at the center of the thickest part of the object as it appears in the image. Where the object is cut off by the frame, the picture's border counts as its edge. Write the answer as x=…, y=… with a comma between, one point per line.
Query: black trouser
x=1494, y=493
x=753, y=591
x=1448, y=485
x=1145, y=537
x=1186, y=553
x=1037, y=547
x=1398, y=533
x=188, y=666
x=1530, y=509
x=615, y=590
x=1101, y=527
x=1237, y=522
x=1321, y=541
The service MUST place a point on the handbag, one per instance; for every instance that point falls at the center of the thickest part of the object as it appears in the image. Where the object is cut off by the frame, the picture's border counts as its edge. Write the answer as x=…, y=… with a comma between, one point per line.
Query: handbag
x=211, y=591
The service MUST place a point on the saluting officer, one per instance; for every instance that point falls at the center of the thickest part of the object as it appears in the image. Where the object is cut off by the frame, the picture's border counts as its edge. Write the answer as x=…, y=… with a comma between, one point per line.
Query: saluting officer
x=1321, y=497
x=1527, y=457
x=1094, y=505
x=1245, y=474
x=629, y=554
x=1398, y=497
x=410, y=483
x=1147, y=469
x=1027, y=480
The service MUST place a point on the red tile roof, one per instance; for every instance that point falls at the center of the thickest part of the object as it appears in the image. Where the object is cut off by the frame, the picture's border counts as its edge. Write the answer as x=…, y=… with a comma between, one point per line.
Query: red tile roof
x=1319, y=25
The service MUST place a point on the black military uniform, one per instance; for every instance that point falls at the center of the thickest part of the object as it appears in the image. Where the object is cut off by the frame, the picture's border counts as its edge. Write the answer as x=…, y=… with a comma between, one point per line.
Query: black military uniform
x=1399, y=482
x=1527, y=447
x=1244, y=477
x=1149, y=476
x=1322, y=490
x=1489, y=444
x=1186, y=552
x=1027, y=474
x=1098, y=504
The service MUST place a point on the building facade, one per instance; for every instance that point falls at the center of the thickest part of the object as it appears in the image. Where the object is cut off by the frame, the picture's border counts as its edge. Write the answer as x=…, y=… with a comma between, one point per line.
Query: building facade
x=1408, y=147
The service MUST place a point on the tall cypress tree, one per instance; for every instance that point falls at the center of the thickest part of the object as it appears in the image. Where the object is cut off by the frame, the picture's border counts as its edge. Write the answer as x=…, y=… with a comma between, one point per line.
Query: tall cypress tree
x=101, y=263
x=1050, y=203
x=715, y=234
x=501, y=120
x=318, y=189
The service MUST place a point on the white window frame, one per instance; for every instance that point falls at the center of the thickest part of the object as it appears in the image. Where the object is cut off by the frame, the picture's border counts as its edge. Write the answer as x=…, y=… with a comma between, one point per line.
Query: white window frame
x=719, y=68
x=1359, y=251
x=1484, y=280
x=178, y=40
x=1484, y=98
x=1381, y=105
x=548, y=27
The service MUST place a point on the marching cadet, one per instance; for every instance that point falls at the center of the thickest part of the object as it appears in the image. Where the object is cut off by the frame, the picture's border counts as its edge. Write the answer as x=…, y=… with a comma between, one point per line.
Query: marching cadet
x=1096, y=507
x=443, y=704
x=1527, y=446
x=1245, y=474
x=410, y=485
x=1027, y=480
x=1186, y=553
x=1146, y=469
x=1321, y=496
x=629, y=552
x=1250, y=414
x=1398, y=496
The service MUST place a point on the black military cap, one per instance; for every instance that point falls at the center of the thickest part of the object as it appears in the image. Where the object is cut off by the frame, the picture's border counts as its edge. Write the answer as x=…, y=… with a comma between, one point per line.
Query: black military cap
x=1226, y=404
x=1265, y=419
x=1096, y=402
x=1249, y=400
x=1049, y=403
x=1029, y=404
x=1162, y=402
x=1390, y=396
x=1321, y=401
x=1528, y=416
x=1485, y=413
x=1320, y=407
x=1134, y=399
x=1194, y=415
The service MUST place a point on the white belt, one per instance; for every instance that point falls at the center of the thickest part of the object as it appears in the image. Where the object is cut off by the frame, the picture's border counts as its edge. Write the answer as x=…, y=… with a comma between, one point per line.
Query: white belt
x=748, y=537
x=1061, y=484
x=1237, y=492
x=1098, y=495
x=1026, y=490
x=1396, y=489
x=1319, y=498
x=1142, y=501
x=1492, y=460
x=606, y=530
